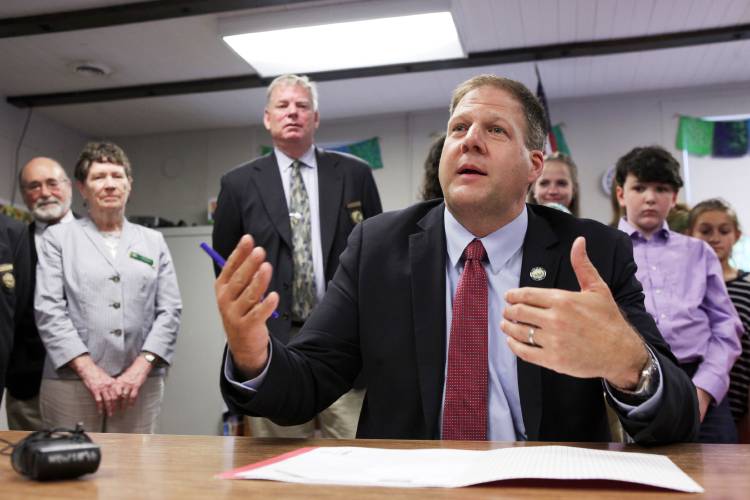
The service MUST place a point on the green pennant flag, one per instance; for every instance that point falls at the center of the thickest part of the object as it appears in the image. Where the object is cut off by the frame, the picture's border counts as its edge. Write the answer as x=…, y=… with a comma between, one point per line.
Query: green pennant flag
x=695, y=136
x=368, y=150
x=562, y=144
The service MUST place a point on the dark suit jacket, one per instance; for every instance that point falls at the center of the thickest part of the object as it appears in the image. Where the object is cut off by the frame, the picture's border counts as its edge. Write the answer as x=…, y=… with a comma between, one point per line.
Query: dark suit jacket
x=27, y=360
x=252, y=201
x=16, y=306
x=384, y=313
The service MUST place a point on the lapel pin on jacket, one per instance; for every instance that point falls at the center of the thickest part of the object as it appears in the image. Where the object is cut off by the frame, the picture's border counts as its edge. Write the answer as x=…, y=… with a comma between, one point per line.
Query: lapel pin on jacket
x=538, y=273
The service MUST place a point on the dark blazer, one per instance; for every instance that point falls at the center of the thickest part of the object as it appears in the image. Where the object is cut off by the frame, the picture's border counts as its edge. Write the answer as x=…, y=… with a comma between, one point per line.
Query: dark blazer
x=27, y=359
x=252, y=201
x=384, y=313
x=16, y=306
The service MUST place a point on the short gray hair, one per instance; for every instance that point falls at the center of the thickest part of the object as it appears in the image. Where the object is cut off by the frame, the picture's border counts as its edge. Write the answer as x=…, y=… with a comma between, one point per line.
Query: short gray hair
x=101, y=152
x=289, y=79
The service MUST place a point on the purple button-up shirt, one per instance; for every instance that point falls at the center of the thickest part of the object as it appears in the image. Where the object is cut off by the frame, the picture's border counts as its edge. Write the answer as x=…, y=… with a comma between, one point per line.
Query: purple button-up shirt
x=686, y=295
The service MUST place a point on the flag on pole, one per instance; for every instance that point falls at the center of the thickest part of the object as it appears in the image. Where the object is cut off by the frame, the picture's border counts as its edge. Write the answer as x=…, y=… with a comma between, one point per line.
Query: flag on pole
x=720, y=139
x=695, y=135
x=560, y=142
x=543, y=99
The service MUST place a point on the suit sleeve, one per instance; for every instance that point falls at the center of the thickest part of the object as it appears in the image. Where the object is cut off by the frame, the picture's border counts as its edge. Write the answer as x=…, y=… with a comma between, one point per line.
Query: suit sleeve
x=320, y=363
x=162, y=337
x=56, y=329
x=227, y=222
x=676, y=419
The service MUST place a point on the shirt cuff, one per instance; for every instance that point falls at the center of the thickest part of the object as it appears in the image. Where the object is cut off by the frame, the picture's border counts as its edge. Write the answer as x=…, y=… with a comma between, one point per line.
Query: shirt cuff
x=248, y=386
x=712, y=384
x=647, y=409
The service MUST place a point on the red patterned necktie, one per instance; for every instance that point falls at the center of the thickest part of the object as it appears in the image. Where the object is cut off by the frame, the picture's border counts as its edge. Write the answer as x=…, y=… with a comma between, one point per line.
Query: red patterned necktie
x=465, y=409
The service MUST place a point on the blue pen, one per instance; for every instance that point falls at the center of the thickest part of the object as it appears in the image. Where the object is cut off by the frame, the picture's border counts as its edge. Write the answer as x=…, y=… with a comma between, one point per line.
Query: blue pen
x=221, y=262
x=214, y=254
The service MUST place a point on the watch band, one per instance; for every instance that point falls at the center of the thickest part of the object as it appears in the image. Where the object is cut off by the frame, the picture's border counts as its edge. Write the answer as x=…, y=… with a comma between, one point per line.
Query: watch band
x=649, y=375
x=647, y=383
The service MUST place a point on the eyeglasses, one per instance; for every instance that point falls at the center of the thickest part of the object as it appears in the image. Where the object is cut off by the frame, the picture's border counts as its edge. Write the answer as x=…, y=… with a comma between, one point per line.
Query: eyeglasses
x=36, y=186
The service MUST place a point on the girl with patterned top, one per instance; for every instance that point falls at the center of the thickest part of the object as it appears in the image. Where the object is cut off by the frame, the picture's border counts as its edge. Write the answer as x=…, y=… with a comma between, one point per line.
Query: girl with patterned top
x=715, y=222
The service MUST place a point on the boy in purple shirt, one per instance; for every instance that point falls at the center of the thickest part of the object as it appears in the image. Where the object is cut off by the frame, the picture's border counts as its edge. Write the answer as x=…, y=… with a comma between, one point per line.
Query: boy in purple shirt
x=683, y=284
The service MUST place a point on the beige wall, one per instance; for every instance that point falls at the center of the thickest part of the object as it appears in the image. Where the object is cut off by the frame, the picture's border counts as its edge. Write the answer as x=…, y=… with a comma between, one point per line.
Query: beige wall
x=44, y=137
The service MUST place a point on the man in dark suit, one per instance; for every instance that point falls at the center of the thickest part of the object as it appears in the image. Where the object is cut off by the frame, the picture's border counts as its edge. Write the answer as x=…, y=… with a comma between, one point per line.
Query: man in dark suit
x=15, y=288
x=415, y=289
x=47, y=193
x=301, y=202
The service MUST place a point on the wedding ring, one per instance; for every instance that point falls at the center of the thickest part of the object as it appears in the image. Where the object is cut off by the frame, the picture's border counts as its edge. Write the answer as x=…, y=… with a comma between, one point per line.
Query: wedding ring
x=531, y=336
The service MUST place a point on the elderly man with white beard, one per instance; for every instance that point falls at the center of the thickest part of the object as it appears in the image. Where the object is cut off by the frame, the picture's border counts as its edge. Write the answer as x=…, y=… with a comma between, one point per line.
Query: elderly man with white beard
x=47, y=192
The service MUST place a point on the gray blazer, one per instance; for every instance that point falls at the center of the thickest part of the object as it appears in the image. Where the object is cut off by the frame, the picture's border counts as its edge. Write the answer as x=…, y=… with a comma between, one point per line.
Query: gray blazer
x=86, y=302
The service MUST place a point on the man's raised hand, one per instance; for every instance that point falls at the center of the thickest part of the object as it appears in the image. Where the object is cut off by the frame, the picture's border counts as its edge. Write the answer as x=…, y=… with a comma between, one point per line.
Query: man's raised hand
x=240, y=290
x=582, y=334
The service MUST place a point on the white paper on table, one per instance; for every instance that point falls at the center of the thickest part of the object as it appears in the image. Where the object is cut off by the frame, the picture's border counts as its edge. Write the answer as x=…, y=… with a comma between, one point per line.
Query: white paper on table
x=449, y=468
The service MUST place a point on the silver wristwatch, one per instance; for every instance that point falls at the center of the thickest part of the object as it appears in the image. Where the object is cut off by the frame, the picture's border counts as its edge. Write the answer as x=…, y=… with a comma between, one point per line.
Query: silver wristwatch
x=648, y=382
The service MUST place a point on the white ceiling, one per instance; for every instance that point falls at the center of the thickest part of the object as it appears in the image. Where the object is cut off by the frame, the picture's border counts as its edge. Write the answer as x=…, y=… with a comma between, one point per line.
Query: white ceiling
x=190, y=48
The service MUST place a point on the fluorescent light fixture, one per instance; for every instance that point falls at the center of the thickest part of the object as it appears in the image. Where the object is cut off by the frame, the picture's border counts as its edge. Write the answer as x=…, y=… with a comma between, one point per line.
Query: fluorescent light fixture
x=353, y=44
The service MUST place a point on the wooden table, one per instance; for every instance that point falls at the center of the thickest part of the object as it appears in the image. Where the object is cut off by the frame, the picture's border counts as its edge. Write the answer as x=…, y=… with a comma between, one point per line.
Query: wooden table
x=138, y=467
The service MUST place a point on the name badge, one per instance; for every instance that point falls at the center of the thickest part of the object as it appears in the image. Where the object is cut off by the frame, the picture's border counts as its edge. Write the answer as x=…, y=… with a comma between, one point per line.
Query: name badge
x=137, y=256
